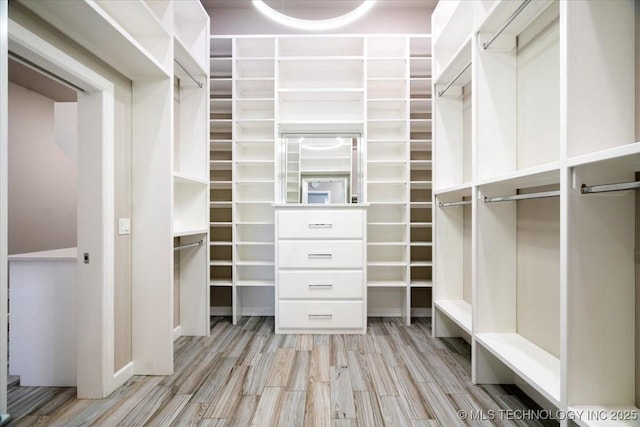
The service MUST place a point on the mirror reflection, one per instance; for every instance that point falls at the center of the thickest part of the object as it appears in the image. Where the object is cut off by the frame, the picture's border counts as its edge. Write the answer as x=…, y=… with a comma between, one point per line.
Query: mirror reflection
x=320, y=168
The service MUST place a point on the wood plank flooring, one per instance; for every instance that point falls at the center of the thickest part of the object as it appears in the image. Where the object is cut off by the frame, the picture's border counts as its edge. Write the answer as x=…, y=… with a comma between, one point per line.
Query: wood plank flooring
x=245, y=375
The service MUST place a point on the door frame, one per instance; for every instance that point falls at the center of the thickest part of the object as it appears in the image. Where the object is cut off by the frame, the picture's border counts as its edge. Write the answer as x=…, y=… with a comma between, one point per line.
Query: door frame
x=96, y=215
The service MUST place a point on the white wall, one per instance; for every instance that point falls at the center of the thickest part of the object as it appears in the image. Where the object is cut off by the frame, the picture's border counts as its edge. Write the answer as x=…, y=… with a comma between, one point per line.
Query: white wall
x=384, y=20
x=42, y=172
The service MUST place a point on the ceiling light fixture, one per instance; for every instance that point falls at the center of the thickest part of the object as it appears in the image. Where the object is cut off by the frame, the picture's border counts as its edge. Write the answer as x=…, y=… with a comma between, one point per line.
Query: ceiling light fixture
x=314, y=24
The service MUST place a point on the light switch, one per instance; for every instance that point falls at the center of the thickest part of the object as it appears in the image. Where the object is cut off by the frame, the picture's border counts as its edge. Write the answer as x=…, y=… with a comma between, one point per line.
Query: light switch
x=124, y=226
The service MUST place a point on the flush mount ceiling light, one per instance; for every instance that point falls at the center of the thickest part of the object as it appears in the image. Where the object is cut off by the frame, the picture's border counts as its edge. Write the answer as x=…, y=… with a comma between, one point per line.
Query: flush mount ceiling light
x=314, y=24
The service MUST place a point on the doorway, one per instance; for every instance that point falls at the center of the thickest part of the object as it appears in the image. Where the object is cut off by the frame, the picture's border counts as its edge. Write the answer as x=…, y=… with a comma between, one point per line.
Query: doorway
x=95, y=211
x=42, y=226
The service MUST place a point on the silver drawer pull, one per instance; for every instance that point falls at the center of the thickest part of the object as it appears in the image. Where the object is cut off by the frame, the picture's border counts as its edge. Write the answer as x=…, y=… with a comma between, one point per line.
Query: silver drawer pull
x=320, y=316
x=320, y=286
x=326, y=256
x=320, y=225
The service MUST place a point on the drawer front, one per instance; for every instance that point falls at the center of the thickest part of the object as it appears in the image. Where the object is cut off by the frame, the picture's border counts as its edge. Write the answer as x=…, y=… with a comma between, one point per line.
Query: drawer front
x=320, y=284
x=321, y=224
x=320, y=315
x=320, y=254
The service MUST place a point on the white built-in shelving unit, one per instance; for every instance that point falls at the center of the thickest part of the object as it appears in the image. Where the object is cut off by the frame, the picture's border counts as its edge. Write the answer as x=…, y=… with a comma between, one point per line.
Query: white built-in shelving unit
x=161, y=46
x=378, y=86
x=541, y=283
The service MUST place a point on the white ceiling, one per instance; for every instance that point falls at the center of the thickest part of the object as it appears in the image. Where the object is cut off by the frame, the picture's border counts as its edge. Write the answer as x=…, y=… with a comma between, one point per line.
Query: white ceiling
x=283, y=5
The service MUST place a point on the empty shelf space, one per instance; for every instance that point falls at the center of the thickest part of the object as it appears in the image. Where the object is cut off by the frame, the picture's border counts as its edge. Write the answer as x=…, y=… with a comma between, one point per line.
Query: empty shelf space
x=536, y=366
x=458, y=311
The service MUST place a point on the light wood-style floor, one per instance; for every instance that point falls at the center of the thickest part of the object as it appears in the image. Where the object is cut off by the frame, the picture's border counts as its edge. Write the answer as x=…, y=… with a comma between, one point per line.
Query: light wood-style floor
x=395, y=375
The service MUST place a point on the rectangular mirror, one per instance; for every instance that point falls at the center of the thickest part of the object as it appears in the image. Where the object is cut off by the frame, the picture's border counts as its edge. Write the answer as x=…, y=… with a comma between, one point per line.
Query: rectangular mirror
x=320, y=168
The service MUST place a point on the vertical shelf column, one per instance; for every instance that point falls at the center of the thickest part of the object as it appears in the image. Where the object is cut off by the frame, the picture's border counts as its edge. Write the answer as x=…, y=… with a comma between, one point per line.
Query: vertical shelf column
x=253, y=176
x=420, y=161
x=220, y=175
x=388, y=176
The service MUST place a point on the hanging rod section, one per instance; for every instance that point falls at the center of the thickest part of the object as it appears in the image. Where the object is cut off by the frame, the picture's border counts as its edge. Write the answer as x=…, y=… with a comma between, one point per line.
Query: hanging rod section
x=188, y=245
x=602, y=188
x=448, y=204
x=198, y=82
x=508, y=22
x=541, y=195
x=443, y=91
x=45, y=72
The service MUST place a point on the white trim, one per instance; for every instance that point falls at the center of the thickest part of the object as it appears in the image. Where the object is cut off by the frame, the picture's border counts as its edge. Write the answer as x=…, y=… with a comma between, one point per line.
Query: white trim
x=177, y=332
x=122, y=376
x=95, y=316
x=4, y=272
x=220, y=311
x=256, y=311
x=421, y=312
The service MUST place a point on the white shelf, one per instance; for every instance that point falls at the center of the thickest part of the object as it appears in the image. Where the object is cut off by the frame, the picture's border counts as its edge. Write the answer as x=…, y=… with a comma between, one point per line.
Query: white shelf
x=186, y=179
x=421, y=224
x=193, y=232
x=114, y=32
x=540, y=175
x=458, y=311
x=421, y=264
x=256, y=283
x=219, y=263
x=626, y=153
x=385, y=284
x=538, y=368
x=220, y=224
x=220, y=283
x=184, y=57
x=220, y=243
x=421, y=284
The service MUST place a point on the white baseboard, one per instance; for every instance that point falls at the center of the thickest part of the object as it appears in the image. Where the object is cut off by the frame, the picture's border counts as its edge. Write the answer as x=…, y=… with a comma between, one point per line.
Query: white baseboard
x=383, y=312
x=220, y=311
x=257, y=311
x=177, y=332
x=122, y=376
x=420, y=312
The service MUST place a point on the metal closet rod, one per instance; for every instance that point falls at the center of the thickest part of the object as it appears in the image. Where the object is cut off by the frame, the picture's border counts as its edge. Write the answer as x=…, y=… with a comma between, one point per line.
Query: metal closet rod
x=541, y=195
x=198, y=82
x=460, y=203
x=513, y=16
x=602, y=188
x=45, y=72
x=188, y=245
x=443, y=91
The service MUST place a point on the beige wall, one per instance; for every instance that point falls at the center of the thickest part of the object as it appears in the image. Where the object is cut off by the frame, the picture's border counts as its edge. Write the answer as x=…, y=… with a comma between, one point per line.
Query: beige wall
x=42, y=173
x=122, y=153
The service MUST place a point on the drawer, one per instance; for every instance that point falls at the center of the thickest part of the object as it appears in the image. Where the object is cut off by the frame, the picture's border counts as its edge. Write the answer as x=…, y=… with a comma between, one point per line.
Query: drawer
x=320, y=254
x=320, y=315
x=320, y=284
x=321, y=224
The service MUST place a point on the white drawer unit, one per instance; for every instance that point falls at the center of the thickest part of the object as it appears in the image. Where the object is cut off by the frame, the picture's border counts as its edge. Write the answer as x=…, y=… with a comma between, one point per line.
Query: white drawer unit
x=325, y=315
x=320, y=284
x=321, y=269
x=321, y=253
x=321, y=224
